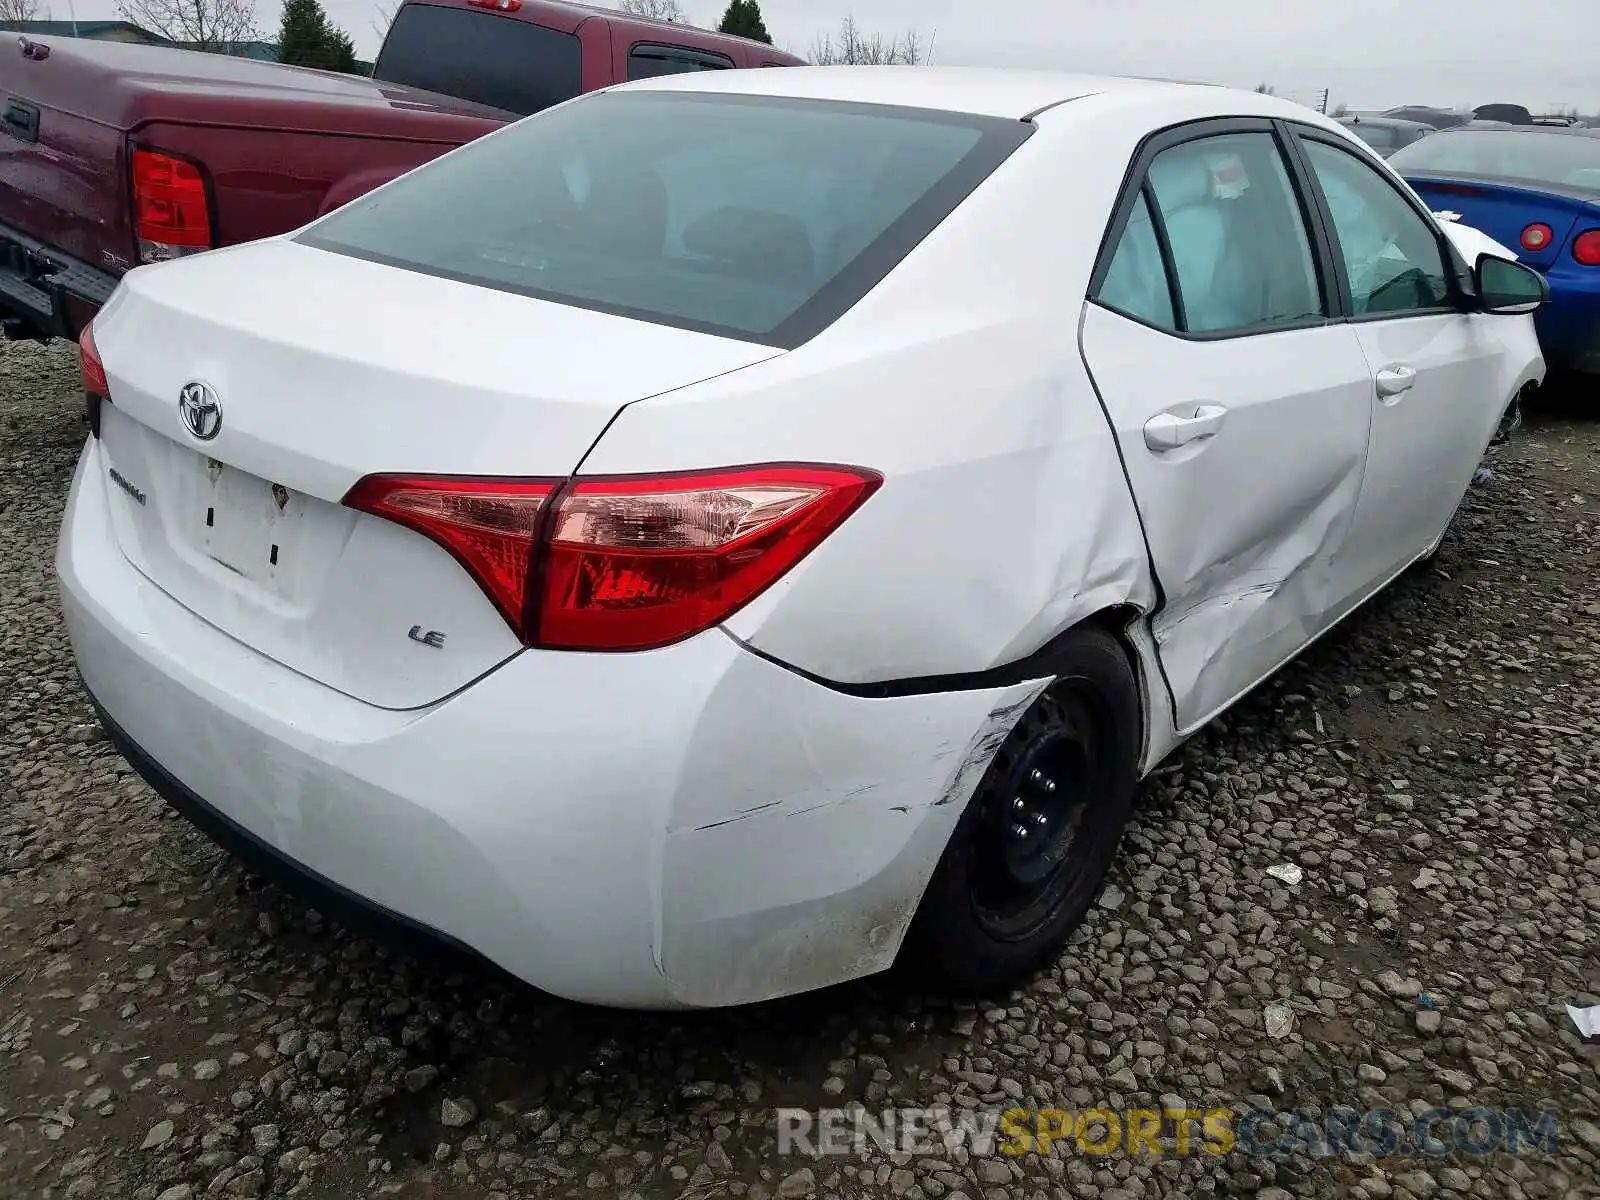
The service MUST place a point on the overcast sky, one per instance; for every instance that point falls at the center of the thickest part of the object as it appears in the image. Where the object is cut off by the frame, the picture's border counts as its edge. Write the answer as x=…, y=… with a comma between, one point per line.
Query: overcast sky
x=1370, y=53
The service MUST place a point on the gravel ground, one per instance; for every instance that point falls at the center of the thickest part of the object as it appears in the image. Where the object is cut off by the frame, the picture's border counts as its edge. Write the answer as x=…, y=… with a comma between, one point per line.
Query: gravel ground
x=171, y=1027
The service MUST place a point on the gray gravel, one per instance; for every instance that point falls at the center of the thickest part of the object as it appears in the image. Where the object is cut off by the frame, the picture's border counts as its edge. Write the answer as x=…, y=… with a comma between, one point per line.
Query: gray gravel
x=172, y=1028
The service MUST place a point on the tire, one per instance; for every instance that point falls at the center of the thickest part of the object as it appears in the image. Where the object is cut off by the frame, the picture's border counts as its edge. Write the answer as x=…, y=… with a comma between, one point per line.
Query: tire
x=999, y=907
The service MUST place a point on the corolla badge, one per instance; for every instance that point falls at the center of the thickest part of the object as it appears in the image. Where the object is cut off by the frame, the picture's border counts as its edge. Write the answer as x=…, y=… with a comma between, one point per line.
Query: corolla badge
x=200, y=410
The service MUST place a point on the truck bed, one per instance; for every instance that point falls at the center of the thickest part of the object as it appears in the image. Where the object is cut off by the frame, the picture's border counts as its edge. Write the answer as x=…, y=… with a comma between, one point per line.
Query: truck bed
x=274, y=137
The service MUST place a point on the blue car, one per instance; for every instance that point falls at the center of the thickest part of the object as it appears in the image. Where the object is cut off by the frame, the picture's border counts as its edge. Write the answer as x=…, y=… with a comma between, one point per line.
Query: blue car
x=1535, y=189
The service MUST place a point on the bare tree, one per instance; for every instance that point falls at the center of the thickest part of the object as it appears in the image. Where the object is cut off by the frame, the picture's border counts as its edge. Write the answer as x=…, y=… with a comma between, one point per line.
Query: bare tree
x=23, y=10
x=656, y=10
x=1266, y=89
x=851, y=46
x=384, y=19
x=213, y=25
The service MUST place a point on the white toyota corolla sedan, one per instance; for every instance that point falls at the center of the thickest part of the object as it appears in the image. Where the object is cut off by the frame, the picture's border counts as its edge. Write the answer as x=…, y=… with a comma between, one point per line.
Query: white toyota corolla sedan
x=721, y=535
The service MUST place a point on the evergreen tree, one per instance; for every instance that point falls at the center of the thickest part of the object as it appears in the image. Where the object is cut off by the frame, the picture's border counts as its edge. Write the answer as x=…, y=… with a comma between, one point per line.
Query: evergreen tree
x=743, y=18
x=308, y=39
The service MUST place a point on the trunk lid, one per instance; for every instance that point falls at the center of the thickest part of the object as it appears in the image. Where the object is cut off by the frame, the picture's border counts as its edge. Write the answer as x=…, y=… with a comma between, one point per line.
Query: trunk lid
x=1503, y=211
x=325, y=369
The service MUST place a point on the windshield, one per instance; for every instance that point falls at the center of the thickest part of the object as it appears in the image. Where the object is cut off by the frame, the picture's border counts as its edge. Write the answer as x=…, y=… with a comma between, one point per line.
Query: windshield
x=1569, y=160
x=757, y=218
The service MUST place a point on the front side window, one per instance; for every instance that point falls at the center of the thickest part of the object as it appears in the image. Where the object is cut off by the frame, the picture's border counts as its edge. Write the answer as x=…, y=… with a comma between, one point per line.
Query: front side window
x=1238, y=240
x=1391, y=254
x=761, y=218
x=500, y=61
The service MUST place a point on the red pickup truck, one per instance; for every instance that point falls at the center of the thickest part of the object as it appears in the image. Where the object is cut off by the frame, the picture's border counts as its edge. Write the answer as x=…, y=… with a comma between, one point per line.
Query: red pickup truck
x=112, y=155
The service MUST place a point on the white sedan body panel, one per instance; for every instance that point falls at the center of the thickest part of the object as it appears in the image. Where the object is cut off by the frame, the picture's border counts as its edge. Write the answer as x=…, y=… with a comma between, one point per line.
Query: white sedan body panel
x=757, y=809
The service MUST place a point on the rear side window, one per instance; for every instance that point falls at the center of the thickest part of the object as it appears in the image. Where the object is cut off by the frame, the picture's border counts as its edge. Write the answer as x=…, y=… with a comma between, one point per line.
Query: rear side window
x=499, y=61
x=1236, y=234
x=646, y=62
x=1136, y=282
x=758, y=218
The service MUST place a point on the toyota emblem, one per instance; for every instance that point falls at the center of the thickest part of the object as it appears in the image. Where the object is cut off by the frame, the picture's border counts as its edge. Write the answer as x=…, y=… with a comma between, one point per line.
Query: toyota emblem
x=200, y=410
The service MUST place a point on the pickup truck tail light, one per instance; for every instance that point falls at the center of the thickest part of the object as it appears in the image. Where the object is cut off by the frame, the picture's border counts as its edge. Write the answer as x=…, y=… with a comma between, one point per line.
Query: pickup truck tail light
x=171, y=206
x=623, y=563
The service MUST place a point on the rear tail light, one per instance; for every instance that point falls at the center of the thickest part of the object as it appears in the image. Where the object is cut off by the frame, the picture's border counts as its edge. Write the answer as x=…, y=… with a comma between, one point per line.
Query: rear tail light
x=1586, y=249
x=171, y=207
x=1537, y=236
x=501, y=5
x=95, y=388
x=490, y=525
x=626, y=563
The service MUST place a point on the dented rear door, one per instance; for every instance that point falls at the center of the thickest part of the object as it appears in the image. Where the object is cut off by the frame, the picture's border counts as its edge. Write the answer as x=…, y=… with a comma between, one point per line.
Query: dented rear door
x=1243, y=524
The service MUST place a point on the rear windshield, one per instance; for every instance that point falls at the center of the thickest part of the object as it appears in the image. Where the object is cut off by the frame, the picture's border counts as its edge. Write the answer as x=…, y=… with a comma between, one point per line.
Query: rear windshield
x=1382, y=137
x=1567, y=160
x=478, y=56
x=749, y=217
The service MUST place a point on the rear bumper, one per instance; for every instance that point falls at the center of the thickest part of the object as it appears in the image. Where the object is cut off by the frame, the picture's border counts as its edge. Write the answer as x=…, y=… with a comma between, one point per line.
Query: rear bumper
x=1569, y=325
x=693, y=826
x=47, y=292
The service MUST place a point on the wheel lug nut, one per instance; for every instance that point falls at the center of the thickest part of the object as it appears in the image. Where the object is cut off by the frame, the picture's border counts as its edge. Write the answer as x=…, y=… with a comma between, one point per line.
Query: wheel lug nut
x=1018, y=804
x=1049, y=785
x=1019, y=831
x=1040, y=819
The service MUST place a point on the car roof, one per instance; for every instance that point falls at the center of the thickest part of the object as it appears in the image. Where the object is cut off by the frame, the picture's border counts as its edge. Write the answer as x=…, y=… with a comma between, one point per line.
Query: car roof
x=979, y=91
x=1507, y=127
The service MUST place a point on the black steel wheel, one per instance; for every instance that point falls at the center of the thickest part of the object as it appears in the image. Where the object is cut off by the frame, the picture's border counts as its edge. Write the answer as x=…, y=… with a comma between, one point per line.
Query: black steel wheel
x=1034, y=846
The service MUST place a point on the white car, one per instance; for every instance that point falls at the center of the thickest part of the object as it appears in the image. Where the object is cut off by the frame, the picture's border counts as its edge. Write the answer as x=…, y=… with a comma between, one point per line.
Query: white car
x=721, y=535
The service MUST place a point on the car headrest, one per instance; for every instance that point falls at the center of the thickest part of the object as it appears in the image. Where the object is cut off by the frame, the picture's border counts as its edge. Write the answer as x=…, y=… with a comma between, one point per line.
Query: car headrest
x=1182, y=182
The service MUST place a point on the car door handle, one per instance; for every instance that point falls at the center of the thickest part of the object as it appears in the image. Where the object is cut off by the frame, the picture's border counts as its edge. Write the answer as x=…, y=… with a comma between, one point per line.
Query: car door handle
x=1394, y=380
x=1170, y=430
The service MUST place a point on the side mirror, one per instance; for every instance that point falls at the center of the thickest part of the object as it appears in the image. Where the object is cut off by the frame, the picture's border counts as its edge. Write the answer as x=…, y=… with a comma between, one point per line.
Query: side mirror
x=1508, y=287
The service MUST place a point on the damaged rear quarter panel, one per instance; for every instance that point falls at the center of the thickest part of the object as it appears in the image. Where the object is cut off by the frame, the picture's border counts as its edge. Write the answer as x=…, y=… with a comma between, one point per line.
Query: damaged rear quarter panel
x=813, y=878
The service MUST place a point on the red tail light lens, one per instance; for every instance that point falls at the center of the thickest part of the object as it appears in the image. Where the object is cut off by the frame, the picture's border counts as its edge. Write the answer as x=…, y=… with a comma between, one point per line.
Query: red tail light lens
x=90, y=367
x=172, y=214
x=501, y=5
x=635, y=563
x=95, y=388
x=625, y=563
x=1537, y=236
x=1586, y=249
x=490, y=525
